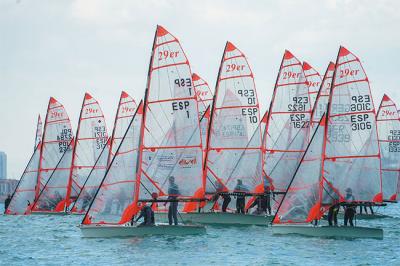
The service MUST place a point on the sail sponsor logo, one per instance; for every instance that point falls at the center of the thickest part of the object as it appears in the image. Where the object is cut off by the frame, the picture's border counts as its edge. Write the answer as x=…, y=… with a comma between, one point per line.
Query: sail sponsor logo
x=251, y=112
x=290, y=75
x=57, y=114
x=187, y=163
x=127, y=109
x=229, y=131
x=164, y=55
x=388, y=113
x=313, y=83
x=348, y=73
x=234, y=67
x=90, y=110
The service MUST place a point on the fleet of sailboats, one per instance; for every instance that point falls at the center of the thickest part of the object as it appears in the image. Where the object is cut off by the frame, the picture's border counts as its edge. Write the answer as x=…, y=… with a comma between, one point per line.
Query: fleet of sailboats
x=216, y=158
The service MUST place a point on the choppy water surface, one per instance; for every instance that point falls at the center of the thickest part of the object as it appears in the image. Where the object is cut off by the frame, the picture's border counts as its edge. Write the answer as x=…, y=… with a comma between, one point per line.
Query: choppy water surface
x=55, y=240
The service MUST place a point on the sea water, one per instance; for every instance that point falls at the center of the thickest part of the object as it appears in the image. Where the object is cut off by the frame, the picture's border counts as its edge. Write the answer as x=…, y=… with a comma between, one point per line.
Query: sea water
x=56, y=240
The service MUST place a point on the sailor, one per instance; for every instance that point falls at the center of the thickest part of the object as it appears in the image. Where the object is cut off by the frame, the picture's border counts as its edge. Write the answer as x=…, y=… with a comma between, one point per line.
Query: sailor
x=268, y=190
x=332, y=214
x=240, y=197
x=263, y=202
x=7, y=202
x=225, y=197
x=349, y=209
x=173, y=192
x=148, y=216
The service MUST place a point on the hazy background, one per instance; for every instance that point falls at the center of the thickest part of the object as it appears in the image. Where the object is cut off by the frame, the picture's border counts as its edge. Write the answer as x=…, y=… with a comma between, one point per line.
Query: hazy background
x=64, y=48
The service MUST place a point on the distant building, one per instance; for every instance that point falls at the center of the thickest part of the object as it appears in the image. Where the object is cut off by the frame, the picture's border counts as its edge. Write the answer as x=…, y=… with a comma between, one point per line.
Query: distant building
x=7, y=187
x=3, y=165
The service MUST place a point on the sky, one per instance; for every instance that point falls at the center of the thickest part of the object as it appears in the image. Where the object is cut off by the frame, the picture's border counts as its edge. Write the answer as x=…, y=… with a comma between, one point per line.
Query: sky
x=65, y=48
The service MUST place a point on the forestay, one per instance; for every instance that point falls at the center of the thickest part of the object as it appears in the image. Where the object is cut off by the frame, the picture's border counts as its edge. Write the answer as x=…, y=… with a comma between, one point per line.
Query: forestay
x=287, y=131
x=389, y=140
x=171, y=142
x=57, y=136
x=352, y=153
x=114, y=201
x=321, y=103
x=235, y=147
x=302, y=200
x=313, y=79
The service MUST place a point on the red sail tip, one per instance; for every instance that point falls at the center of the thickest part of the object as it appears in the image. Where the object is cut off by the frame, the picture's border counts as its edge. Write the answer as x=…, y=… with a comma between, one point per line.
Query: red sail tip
x=385, y=98
x=331, y=66
x=288, y=55
x=343, y=51
x=52, y=100
x=195, y=77
x=124, y=94
x=140, y=109
x=230, y=47
x=161, y=31
x=306, y=66
x=88, y=96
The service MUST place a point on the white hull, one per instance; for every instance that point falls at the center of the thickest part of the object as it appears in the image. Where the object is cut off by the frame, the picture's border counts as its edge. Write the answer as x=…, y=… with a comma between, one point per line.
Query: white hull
x=328, y=231
x=128, y=231
x=216, y=218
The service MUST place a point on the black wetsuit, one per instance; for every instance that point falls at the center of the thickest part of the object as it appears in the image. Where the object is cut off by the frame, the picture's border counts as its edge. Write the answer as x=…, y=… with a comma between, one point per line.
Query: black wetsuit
x=148, y=215
x=349, y=212
x=241, y=198
x=173, y=206
x=332, y=215
x=7, y=203
x=226, y=200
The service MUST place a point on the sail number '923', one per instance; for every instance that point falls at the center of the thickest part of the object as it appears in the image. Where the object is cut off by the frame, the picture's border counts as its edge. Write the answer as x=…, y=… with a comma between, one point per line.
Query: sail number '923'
x=181, y=106
x=249, y=95
x=299, y=103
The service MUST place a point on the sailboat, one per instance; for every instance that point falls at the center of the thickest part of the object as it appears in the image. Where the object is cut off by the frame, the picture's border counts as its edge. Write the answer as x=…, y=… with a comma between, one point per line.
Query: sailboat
x=288, y=125
x=313, y=82
x=234, y=145
x=24, y=192
x=168, y=145
x=125, y=111
x=67, y=178
x=389, y=140
x=343, y=156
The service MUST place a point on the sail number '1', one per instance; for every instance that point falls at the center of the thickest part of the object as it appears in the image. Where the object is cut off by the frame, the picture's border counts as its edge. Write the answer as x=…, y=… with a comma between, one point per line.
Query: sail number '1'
x=180, y=106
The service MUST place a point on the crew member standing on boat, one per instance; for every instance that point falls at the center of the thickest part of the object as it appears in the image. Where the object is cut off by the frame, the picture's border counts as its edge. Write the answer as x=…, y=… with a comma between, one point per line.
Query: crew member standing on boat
x=7, y=202
x=173, y=192
x=332, y=214
x=349, y=209
x=241, y=197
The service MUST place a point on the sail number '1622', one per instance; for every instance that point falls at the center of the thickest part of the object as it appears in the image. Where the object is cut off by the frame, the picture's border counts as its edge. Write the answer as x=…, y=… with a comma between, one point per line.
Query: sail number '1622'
x=299, y=104
x=299, y=121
